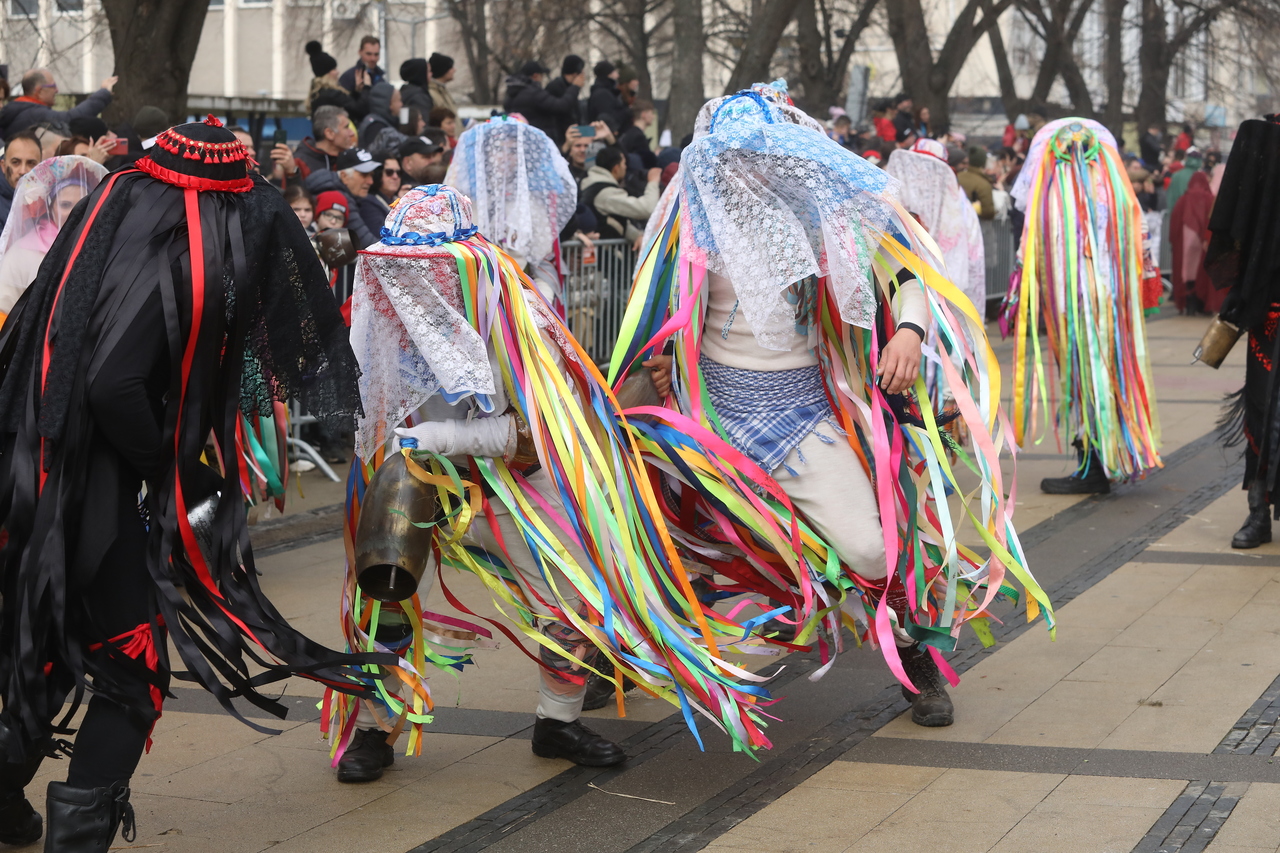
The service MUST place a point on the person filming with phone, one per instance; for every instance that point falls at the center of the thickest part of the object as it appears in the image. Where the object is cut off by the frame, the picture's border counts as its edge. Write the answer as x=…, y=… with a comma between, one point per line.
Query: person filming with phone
x=39, y=91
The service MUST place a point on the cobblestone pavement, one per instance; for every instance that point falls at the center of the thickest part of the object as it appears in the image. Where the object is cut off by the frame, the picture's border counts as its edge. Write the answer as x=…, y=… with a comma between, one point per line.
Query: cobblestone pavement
x=1150, y=724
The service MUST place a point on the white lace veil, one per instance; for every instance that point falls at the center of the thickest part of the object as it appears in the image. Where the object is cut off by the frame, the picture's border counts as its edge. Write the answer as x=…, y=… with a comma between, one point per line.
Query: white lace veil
x=1021, y=191
x=409, y=327
x=520, y=186
x=930, y=191
x=768, y=199
x=41, y=201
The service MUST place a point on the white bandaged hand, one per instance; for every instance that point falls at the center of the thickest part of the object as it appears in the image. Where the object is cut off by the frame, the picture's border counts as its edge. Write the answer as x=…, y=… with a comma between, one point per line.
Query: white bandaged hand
x=494, y=436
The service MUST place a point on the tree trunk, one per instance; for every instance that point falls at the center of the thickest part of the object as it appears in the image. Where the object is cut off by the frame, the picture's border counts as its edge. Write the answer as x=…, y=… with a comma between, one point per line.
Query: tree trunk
x=471, y=17
x=809, y=42
x=1154, y=66
x=637, y=44
x=763, y=36
x=927, y=80
x=686, y=96
x=154, y=43
x=1004, y=73
x=1113, y=66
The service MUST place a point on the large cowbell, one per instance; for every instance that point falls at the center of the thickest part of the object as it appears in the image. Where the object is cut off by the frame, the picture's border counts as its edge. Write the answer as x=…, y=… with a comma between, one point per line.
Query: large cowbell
x=392, y=552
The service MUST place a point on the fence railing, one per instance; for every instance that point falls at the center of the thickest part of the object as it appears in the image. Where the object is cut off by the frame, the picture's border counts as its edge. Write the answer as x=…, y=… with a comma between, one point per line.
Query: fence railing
x=598, y=282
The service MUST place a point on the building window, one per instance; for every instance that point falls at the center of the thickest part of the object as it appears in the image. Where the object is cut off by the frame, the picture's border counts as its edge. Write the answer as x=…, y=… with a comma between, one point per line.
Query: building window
x=70, y=5
x=215, y=4
x=24, y=8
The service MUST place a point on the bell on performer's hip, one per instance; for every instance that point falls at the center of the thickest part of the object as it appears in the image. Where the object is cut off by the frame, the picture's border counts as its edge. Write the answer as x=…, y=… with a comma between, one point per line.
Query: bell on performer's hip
x=392, y=554
x=1218, y=340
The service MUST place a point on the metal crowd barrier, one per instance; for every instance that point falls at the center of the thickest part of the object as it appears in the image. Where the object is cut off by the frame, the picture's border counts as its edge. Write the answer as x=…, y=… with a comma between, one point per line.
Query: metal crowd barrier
x=998, y=244
x=597, y=283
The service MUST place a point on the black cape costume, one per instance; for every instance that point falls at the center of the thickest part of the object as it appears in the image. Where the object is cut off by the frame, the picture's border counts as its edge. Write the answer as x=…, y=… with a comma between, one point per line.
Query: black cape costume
x=242, y=316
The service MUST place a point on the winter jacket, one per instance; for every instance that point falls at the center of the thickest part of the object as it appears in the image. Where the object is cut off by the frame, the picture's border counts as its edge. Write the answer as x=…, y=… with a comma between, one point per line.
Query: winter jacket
x=312, y=159
x=20, y=115
x=606, y=100
x=324, y=180
x=373, y=209
x=6, y=201
x=539, y=107
x=557, y=89
x=611, y=204
x=327, y=96
x=977, y=188
x=416, y=97
x=348, y=78
x=440, y=96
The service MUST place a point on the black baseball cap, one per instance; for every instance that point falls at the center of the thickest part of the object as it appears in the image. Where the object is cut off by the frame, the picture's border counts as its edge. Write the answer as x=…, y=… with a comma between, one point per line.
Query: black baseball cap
x=356, y=158
x=417, y=145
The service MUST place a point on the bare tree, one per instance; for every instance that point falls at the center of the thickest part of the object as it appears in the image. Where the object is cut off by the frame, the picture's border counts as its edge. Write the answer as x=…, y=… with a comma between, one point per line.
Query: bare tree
x=154, y=42
x=473, y=26
x=1160, y=46
x=634, y=24
x=823, y=65
x=1113, y=65
x=686, y=70
x=926, y=78
x=763, y=31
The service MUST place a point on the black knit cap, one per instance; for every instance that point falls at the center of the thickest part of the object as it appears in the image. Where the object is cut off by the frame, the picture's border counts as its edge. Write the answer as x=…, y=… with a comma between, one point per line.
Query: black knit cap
x=572, y=65
x=440, y=64
x=200, y=156
x=414, y=71
x=321, y=62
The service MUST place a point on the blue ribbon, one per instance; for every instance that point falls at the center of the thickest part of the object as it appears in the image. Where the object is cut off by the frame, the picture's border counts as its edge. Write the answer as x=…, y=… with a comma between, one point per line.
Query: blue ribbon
x=413, y=238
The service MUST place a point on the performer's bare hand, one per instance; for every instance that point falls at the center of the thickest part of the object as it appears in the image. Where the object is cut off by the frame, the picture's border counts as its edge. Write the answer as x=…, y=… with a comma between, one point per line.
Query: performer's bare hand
x=660, y=369
x=900, y=361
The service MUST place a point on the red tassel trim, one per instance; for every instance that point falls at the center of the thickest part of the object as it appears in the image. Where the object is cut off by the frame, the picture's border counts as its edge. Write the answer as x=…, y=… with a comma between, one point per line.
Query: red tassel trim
x=178, y=179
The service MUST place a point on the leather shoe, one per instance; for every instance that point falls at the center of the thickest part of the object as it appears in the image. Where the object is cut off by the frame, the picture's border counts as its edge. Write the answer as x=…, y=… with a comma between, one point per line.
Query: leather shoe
x=366, y=757
x=932, y=706
x=19, y=822
x=576, y=742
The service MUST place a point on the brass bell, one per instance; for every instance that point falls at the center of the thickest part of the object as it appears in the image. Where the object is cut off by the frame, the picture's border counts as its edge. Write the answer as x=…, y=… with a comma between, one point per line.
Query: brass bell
x=392, y=553
x=1218, y=340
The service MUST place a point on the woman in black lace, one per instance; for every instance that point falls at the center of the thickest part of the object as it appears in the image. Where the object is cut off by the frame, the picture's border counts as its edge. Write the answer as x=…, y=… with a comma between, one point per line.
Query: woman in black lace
x=181, y=293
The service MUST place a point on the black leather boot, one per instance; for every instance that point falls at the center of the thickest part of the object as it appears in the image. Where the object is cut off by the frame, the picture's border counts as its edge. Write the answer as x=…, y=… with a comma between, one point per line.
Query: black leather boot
x=1090, y=478
x=85, y=820
x=931, y=706
x=366, y=757
x=19, y=822
x=576, y=742
x=1257, y=527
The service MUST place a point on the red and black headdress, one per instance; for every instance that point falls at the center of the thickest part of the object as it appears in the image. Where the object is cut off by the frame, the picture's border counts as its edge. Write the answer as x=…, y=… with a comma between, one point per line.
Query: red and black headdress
x=199, y=156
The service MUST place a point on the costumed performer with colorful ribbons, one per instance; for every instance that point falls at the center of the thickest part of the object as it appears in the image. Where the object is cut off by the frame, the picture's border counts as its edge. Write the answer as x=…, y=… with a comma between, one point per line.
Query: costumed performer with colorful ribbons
x=42, y=201
x=928, y=189
x=565, y=533
x=1083, y=276
x=522, y=193
x=795, y=291
x=1244, y=257
x=179, y=294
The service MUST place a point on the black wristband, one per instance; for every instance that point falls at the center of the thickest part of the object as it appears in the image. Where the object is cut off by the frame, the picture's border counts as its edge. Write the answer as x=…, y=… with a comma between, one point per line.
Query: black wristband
x=913, y=327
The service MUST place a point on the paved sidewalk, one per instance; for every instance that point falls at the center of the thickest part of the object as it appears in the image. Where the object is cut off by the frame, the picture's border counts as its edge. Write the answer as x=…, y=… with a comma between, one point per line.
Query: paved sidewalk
x=1147, y=726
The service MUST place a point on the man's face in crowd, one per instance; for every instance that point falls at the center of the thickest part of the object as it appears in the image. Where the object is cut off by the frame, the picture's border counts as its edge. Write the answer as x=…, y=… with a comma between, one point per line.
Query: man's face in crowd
x=357, y=183
x=48, y=92
x=415, y=166
x=20, y=157
x=448, y=75
x=343, y=136
x=906, y=106
x=370, y=54
x=578, y=151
